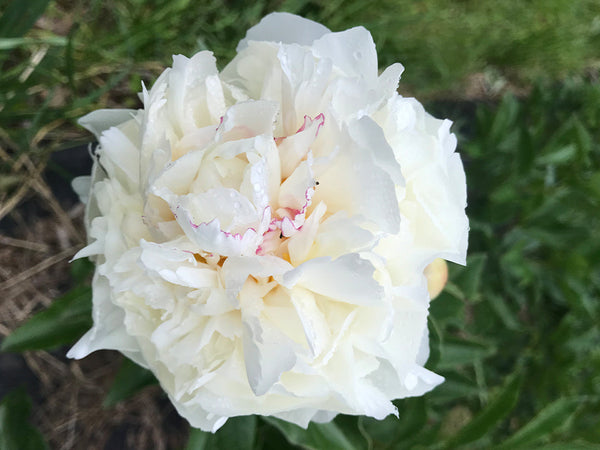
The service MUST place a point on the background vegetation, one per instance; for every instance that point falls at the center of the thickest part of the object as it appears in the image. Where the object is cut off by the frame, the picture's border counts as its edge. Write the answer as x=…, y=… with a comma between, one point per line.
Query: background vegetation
x=516, y=333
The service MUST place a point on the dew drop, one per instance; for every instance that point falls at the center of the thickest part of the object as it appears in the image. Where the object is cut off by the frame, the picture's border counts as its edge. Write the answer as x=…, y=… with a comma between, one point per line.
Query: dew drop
x=357, y=55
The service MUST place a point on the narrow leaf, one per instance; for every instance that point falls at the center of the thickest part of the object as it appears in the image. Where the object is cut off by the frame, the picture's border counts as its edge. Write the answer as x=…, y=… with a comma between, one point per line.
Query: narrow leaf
x=129, y=380
x=238, y=433
x=19, y=17
x=62, y=323
x=317, y=436
x=546, y=422
x=456, y=351
x=15, y=431
x=198, y=440
x=490, y=417
x=469, y=278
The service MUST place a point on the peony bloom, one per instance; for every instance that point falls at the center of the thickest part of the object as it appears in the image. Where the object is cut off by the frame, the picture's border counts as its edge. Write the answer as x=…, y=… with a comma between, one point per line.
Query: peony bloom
x=261, y=234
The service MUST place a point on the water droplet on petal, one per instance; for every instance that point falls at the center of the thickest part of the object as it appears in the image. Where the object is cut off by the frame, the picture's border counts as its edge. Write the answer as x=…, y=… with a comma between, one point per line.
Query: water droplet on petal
x=357, y=55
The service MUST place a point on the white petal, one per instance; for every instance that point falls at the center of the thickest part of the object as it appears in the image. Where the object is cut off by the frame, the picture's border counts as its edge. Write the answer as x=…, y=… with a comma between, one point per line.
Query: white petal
x=247, y=119
x=348, y=279
x=353, y=51
x=285, y=28
x=212, y=239
x=313, y=320
x=296, y=191
x=108, y=331
x=339, y=234
x=188, y=105
x=122, y=154
x=294, y=148
x=267, y=352
x=237, y=269
x=81, y=186
x=301, y=242
x=355, y=181
x=102, y=119
x=177, y=266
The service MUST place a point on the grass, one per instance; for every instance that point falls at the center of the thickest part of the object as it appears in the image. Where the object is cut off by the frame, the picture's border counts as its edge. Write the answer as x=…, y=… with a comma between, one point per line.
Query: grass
x=516, y=333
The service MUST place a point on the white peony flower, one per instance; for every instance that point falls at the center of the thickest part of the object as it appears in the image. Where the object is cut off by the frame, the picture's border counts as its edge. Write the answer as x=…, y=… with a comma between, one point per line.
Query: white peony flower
x=261, y=234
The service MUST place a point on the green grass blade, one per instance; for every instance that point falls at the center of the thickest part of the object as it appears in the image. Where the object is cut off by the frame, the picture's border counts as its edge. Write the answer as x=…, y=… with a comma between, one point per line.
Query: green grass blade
x=491, y=415
x=547, y=421
x=19, y=16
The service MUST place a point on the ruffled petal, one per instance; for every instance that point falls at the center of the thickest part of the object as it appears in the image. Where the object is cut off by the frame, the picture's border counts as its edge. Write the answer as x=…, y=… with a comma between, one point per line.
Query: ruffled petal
x=285, y=28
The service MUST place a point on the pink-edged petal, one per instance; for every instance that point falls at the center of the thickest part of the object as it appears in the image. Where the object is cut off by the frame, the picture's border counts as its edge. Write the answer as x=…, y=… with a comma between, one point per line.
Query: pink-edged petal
x=301, y=242
x=233, y=210
x=296, y=191
x=210, y=238
x=293, y=149
x=285, y=28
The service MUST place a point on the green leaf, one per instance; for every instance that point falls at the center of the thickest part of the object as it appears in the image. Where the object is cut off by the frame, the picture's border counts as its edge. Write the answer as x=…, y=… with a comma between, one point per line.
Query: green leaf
x=547, y=421
x=19, y=16
x=573, y=445
x=448, y=309
x=238, y=433
x=62, y=323
x=129, y=380
x=16, y=433
x=80, y=269
x=455, y=387
x=456, y=352
x=469, y=278
x=501, y=308
x=560, y=156
x=492, y=414
x=391, y=430
x=198, y=440
x=317, y=436
x=412, y=414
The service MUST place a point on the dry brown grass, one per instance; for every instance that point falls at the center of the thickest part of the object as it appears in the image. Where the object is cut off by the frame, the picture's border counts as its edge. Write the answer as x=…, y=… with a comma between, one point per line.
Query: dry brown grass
x=38, y=236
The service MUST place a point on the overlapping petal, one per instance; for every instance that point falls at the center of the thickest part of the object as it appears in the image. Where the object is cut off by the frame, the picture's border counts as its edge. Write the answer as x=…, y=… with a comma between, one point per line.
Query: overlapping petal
x=261, y=233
